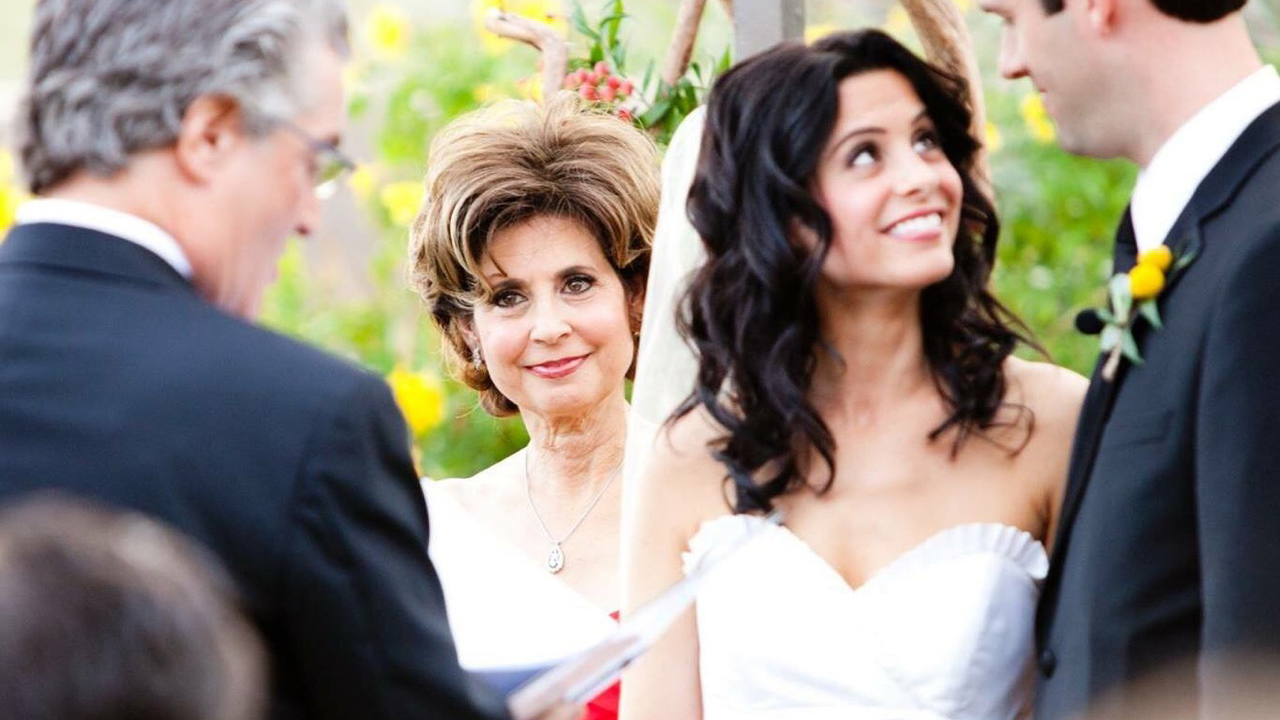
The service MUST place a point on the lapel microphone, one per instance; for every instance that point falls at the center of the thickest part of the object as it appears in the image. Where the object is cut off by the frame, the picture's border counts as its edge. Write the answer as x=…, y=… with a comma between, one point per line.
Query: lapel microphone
x=1088, y=322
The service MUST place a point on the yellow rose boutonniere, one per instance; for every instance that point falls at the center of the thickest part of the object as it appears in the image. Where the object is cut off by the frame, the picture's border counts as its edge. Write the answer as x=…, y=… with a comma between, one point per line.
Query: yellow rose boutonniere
x=1134, y=295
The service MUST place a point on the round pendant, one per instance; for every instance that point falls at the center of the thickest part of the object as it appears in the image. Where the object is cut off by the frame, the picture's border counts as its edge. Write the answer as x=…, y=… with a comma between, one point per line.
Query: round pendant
x=555, y=559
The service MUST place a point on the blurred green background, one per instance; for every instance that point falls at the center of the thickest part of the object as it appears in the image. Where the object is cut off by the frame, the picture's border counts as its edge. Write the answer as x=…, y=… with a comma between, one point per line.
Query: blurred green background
x=418, y=65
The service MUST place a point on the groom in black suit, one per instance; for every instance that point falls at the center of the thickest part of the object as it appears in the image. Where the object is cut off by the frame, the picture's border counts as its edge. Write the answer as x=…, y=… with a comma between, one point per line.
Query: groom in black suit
x=1167, y=561
x=172, y=146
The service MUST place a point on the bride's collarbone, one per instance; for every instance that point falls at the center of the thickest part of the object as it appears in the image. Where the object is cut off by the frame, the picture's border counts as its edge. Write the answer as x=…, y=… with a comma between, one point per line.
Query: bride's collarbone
x=909, y=498
x=858, y=543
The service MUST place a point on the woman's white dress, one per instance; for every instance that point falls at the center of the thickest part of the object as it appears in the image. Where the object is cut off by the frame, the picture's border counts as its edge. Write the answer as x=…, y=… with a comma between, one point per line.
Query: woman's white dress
x=506, y=612
x=944, y=631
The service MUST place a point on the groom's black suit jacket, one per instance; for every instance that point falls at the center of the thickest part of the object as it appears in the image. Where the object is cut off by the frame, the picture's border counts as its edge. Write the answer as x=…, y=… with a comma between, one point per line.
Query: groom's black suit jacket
x=1168, y=552
x=119, y=384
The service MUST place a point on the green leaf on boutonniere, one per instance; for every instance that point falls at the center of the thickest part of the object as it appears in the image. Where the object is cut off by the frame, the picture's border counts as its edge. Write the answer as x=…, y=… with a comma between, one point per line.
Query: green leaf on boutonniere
x=1110, y=337
x=1149, y=310
x=1184, y=259
x=1117, y=341
x=1130, y=348
x=1121, y=295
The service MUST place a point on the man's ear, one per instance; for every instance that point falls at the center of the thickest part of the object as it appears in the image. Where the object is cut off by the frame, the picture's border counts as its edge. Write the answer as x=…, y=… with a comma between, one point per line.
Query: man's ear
x=211, y=128
x=1102, y=15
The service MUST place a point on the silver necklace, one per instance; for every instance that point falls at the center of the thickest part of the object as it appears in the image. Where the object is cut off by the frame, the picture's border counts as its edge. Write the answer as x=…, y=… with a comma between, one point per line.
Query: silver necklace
x=555, y=557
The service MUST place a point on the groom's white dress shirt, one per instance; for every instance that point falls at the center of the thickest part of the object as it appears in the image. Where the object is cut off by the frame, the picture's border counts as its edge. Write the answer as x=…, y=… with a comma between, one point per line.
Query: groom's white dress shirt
x=1166, y=185
x=105, y=220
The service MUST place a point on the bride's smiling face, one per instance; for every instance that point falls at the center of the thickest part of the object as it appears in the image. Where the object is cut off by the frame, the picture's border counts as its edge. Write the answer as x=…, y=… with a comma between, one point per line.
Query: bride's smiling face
x=891, y=193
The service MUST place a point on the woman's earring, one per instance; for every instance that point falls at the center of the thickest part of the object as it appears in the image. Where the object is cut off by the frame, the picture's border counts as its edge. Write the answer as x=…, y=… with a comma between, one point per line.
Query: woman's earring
x=477, y=361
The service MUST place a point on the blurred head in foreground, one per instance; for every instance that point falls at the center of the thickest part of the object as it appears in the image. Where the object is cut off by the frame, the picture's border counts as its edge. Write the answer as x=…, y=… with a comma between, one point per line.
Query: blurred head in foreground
x=108, y=616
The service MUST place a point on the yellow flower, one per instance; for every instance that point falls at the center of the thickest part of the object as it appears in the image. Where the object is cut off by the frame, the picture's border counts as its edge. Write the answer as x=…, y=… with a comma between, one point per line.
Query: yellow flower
x=363, y=181
x=402, y=200
x=1145, y=281
x=485, y=93
x=964, y=5
x=10, y=194
x=1037, y=120
x=994, y=140
x=530, y=88
x=550, y=12
x=814, y=33
x=1160, y=257
x=8, y=209
x=897, y=22
x=387, y=30
x=420, y=397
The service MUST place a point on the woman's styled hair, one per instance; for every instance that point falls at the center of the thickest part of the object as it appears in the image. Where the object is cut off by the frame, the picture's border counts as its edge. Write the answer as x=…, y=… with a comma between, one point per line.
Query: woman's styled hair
x=505, y=165
x=750, y=311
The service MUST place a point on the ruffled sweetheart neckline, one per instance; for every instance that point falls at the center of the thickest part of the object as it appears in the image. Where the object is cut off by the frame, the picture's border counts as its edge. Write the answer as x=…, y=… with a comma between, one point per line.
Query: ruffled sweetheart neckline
x=943, y=630
x=1008, y=541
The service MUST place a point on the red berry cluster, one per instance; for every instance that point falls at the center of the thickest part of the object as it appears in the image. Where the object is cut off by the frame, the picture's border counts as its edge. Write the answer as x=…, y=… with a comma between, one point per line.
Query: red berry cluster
x=600, y=85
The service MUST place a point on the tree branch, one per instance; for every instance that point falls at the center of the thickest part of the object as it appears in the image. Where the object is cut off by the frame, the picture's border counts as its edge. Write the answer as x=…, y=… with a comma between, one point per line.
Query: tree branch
x=682, y=40
x=947, y=44
x=554, y=49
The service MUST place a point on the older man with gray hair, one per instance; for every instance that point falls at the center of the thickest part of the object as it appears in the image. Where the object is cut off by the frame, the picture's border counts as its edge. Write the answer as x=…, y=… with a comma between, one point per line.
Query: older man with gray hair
x=172, y=146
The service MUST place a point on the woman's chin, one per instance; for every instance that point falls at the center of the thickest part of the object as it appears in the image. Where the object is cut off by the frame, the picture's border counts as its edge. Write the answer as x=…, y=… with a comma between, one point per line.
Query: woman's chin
x=565, y=403
x=929, y=270
x=914, y=276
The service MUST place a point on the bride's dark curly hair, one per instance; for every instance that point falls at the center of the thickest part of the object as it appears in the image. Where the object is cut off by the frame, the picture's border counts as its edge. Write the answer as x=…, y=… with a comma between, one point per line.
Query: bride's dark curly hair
x=750, y=311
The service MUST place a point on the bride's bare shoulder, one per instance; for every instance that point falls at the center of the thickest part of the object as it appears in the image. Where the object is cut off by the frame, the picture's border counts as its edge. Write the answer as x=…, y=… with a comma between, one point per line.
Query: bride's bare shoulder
x=691, y=434
x=1054, y=396
x=683, y=450
x=1052, y=392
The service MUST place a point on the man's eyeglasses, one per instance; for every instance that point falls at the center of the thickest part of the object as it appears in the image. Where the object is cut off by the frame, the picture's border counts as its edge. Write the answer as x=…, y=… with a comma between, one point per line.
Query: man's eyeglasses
x=330, y=163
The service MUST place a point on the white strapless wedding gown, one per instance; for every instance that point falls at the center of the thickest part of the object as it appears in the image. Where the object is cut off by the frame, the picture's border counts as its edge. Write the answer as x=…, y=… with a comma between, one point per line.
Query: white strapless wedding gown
x=946, y=631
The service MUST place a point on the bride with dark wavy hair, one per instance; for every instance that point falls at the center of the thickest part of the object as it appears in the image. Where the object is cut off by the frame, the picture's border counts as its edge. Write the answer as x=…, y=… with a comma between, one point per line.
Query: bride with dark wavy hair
x=855, y=372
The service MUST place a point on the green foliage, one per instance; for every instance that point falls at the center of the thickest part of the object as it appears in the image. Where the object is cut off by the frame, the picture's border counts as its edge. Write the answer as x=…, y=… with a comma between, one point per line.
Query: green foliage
x=674, y=102
x=1058, y=213
x=663, y=106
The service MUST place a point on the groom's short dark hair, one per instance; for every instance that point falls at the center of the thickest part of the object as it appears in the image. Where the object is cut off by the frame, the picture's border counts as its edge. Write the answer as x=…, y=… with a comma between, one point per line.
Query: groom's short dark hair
x=1200, y=11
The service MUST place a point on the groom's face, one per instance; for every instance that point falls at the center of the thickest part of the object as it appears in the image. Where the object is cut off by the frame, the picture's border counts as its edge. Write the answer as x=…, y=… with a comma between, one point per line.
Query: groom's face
x=268, y=194
x=1053, y=51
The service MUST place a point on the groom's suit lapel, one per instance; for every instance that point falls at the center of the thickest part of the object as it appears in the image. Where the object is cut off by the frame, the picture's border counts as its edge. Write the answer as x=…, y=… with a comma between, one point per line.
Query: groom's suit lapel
x=1093, y=416
x=1258, y=142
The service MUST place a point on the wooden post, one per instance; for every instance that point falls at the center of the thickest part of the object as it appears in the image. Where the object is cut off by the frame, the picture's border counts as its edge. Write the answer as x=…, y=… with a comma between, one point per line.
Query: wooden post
x=682, y=40
x=555, y=53
x=760, y=24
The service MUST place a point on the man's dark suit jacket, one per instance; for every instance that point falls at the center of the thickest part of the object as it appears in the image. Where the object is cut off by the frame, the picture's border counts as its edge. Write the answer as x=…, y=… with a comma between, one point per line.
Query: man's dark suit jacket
x=1168, y=552
x=119, y=384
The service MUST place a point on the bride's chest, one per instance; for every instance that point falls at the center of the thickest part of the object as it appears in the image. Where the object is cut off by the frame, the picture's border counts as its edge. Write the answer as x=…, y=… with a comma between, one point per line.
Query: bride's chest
x=948, y=626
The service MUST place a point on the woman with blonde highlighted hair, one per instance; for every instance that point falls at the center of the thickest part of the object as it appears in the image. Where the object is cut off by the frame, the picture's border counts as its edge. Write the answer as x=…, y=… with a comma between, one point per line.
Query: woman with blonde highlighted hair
x=531, y=252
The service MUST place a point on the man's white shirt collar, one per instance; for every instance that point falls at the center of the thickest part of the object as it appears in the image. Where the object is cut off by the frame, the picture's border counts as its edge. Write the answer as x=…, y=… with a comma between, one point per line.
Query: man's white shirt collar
x=105, y=220
x=1166, y=185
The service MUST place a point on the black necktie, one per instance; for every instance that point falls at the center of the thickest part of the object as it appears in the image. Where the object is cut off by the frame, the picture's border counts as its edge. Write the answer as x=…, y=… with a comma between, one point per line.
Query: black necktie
x=1126, y=252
